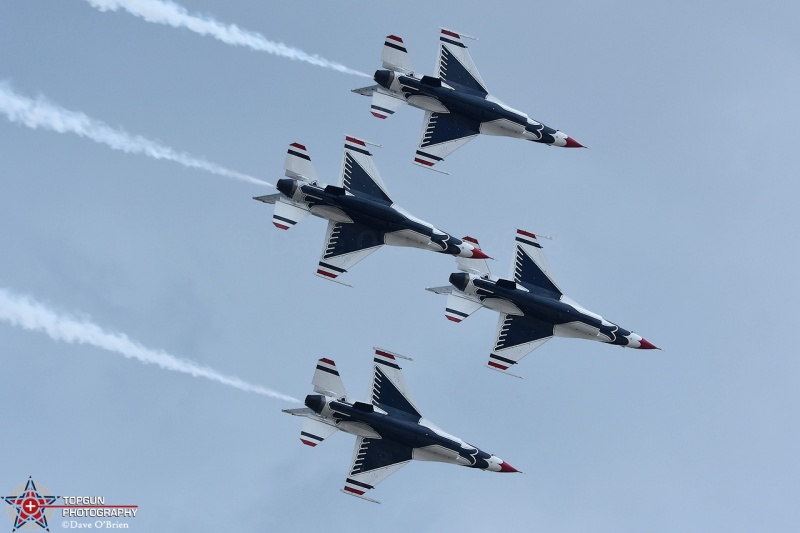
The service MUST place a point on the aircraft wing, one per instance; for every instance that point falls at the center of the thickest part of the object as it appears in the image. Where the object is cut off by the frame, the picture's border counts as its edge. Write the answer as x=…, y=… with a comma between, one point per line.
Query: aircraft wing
x=530, y=265
x=346, y=245
x=384, y=104
x=359, y=173
x=373, y=461
x=443, y=134
x=455, y=65
x=517, y=336
x=389, y=385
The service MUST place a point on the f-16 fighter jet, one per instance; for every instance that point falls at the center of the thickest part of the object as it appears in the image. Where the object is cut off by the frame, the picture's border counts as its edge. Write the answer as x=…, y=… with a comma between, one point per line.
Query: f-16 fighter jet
x=532, y=307
x=390, y=430
x=362, y=217
x=457, y=104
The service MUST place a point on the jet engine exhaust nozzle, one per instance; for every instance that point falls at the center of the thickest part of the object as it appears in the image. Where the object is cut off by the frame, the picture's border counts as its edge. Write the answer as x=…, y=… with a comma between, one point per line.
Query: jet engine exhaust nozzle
x=384, y=78
x=287, y=186
x=315, y=402
x=459, y=280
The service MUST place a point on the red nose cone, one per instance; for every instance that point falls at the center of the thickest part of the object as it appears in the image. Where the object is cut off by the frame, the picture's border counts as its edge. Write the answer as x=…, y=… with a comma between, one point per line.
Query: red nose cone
x=477, y=254
x=505, y=467
x=572, y=143
x=645, y=345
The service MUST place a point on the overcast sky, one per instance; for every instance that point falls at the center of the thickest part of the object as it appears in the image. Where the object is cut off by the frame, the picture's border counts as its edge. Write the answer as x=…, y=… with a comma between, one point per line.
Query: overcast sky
x=679, y=222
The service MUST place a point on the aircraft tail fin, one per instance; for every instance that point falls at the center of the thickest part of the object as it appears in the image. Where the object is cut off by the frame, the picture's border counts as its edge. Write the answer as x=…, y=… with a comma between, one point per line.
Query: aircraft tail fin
x=298, y=163
x=327, y=381
x=395, y=56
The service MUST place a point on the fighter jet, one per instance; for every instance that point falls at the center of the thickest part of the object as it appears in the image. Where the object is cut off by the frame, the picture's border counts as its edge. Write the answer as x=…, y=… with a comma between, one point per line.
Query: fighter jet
x=532, y=307
x=457, y=103
x=362, y=216
x=390, y=430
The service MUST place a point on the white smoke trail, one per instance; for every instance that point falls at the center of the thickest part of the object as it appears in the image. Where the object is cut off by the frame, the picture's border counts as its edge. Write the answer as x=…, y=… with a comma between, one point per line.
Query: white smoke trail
x=175, y=15
x=41, y=113
x=25, y=312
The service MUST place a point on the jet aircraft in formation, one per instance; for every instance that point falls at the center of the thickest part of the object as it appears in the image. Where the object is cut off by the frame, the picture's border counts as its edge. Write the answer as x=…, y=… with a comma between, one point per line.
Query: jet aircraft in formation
x=533, y=309
x=457, y=103
x=390, y=430
x=361, y=215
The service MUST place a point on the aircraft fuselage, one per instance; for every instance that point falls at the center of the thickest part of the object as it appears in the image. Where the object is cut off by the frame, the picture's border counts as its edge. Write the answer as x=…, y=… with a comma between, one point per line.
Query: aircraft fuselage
x=568, y=319
x=390, y=224
x=428, y=442
x=484, y=113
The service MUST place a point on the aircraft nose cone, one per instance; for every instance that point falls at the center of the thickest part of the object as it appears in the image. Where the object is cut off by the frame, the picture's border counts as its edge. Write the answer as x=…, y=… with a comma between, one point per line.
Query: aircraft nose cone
x=644, y=344
x=505, y=467
x=572, y=143
x=459, y=280
x=478, y=254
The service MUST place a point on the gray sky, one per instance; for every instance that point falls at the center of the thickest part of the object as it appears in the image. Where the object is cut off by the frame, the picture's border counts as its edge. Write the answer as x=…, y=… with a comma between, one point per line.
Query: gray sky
x=679, y=222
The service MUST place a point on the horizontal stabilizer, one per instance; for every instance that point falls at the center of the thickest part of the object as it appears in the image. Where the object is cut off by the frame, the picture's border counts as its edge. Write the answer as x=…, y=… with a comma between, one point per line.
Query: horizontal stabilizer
x=313, y=432
x=327, y=381
x=298, y=163
x=287, y=215
x=384, y=104
x=459, y=307
x=395, y=56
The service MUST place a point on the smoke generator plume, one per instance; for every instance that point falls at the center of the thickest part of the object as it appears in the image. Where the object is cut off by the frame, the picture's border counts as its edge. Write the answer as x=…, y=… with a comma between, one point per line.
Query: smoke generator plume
x=24, y=312
x=41, y=113
x=175, y=15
